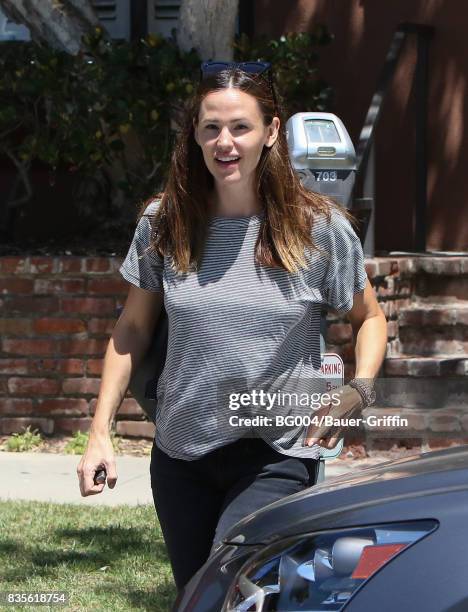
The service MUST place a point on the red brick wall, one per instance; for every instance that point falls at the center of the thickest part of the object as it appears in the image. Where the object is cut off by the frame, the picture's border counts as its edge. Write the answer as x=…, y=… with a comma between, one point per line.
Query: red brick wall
x=57, y=314
x=393, y=285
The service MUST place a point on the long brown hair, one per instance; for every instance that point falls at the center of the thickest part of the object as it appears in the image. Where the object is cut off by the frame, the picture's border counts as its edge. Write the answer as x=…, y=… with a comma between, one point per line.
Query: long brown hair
x=179, y=227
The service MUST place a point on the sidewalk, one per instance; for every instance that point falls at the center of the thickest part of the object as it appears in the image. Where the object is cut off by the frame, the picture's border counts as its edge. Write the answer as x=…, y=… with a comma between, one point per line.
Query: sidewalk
x=52, y=477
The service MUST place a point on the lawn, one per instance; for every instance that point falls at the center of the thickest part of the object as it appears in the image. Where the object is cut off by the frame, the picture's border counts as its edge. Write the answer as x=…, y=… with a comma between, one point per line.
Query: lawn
x=105, y=558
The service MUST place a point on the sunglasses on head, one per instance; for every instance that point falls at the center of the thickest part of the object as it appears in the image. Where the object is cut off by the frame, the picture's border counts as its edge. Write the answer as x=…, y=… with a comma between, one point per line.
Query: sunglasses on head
x=208, y=69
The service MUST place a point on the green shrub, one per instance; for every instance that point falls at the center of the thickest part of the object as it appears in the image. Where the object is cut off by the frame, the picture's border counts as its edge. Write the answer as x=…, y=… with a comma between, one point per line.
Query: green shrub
x=24, y=442
x=102, y=115
x=107, y=117
x=77, y=444
x=294, y=58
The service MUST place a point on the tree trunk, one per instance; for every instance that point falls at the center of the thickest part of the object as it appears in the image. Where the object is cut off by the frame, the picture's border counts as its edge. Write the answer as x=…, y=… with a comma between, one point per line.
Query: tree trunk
x=209, y=27
x=59, y=23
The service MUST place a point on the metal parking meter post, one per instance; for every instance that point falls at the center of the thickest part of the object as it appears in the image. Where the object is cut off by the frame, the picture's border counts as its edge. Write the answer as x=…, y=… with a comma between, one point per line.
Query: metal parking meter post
x=363, y=210
x=369, y=195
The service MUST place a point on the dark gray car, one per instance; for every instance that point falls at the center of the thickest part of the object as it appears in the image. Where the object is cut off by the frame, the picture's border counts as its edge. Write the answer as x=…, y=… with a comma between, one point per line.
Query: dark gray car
x=389, y=537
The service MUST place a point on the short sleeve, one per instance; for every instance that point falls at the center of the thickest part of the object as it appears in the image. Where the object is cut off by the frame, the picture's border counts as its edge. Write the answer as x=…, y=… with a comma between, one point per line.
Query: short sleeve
x=143, y=267
x=346, y=273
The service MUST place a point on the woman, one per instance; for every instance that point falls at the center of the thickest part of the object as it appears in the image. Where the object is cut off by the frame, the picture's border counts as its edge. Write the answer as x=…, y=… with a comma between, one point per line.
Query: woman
x=244, y=258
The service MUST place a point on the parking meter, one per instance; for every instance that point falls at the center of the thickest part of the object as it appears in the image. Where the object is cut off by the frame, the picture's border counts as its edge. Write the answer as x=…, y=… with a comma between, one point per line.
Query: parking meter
x=323, y=155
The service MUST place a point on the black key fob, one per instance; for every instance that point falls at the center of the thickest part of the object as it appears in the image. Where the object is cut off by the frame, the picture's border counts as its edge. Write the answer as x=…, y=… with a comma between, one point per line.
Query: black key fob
x=100, y=476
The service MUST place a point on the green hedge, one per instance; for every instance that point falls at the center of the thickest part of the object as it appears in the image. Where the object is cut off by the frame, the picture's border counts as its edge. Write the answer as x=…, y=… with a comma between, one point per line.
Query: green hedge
x=104, y=115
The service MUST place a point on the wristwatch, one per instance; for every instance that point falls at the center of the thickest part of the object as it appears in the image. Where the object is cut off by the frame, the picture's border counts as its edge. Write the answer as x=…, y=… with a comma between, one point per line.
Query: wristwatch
x=365, y=390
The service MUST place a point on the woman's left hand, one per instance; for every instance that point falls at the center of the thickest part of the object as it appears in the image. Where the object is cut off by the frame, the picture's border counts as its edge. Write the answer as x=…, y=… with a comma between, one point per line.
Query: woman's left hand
x=328, y=435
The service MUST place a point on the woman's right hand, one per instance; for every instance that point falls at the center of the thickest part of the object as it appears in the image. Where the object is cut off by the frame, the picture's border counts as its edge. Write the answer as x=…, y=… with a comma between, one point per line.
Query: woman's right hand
x=99, y=454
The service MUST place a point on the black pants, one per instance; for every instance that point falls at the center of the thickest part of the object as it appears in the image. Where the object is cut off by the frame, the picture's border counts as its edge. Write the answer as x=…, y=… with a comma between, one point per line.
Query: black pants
x=198, y=501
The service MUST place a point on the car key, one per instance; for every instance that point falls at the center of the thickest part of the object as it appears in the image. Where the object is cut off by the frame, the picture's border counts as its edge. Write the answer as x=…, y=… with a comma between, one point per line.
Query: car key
x=100, y=476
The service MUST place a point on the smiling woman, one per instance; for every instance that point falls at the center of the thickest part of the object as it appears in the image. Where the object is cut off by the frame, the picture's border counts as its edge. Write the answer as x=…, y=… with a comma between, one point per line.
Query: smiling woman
x=231, y=133
x=245, y=258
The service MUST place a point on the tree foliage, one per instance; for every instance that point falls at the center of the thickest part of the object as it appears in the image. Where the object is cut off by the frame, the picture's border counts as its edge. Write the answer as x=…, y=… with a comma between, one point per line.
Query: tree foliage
x=105, y=117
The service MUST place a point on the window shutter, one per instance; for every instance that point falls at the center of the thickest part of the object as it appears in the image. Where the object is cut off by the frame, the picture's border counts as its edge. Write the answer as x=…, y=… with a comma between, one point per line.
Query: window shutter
x=114, y=16
x=162, y=16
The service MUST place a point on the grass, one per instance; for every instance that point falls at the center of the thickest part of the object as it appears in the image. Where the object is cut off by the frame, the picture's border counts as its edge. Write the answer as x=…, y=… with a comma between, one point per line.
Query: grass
x=105, y=558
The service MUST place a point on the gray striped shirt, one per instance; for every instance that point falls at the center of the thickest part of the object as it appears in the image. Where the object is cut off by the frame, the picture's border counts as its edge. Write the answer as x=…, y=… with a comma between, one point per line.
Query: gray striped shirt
x=244, y=339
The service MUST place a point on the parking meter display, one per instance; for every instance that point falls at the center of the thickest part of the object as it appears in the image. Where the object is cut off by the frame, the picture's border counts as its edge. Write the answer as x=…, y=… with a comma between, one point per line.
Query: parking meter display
x=319, y=130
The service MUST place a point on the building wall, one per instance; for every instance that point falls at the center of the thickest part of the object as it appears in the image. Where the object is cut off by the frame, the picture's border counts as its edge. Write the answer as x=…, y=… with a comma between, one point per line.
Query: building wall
x=363, y=30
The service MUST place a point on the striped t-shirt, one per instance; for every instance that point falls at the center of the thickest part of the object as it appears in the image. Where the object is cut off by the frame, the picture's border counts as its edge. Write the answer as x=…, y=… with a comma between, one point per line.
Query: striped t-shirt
x=244, y=339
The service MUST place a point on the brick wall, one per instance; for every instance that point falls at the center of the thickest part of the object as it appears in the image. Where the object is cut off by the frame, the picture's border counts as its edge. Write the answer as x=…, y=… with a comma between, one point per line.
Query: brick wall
x=57, y=314
x=393, y=283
